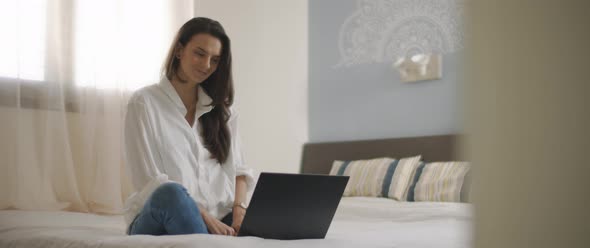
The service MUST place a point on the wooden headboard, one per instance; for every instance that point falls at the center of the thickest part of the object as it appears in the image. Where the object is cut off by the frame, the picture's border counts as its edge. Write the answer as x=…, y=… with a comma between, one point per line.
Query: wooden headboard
x=318, y=157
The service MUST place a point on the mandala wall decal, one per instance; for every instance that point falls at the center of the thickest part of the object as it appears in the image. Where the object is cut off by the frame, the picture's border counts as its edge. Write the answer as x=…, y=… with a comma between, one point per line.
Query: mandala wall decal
x=380, y=31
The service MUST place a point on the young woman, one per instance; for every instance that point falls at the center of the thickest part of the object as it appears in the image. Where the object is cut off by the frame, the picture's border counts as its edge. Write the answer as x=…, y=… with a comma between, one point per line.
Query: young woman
x=182, y=144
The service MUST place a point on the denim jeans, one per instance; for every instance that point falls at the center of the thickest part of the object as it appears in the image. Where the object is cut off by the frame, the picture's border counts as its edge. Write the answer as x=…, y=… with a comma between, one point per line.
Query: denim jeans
x=170, y=211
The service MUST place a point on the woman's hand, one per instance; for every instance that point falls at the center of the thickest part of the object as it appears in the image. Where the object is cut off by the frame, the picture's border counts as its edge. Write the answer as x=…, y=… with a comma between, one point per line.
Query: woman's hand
x=238, y=217
x=215, y=226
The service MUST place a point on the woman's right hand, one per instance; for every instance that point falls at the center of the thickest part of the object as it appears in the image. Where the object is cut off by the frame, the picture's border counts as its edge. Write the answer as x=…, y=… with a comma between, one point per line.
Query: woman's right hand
x=215, y=226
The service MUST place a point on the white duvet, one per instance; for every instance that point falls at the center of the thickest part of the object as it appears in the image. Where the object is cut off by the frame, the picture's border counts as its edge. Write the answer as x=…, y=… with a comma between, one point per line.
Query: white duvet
x=359, y=222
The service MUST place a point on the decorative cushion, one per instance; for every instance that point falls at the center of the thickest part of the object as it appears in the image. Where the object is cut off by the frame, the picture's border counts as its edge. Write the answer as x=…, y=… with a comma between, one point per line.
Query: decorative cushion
x=380, y=177
x=440, y=181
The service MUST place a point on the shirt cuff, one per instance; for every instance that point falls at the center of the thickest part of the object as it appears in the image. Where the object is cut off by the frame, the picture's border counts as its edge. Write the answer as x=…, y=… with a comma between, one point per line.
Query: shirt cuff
x=248, y=173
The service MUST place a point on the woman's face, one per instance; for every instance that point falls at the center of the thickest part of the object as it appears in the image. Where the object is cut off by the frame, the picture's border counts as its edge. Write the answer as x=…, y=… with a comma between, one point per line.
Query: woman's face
x=199, y=58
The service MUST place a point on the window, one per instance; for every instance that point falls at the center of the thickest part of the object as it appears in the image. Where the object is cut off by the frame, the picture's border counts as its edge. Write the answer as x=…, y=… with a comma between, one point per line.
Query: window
x=23, y=40
x=106, y=44
x=127, y=48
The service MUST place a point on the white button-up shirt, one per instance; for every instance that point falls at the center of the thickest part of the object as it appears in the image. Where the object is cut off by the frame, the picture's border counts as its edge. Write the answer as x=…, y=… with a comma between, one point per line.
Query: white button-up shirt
x=161, y=146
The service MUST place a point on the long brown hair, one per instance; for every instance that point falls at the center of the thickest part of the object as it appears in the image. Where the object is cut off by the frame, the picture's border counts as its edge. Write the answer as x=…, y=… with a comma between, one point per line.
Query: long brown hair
x=219, y=86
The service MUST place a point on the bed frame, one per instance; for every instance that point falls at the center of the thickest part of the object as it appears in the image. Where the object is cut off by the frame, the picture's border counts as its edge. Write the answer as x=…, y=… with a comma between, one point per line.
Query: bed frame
x=318, y=157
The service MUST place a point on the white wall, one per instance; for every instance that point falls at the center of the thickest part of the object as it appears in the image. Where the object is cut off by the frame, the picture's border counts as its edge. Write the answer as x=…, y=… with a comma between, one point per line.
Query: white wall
x=269, y=47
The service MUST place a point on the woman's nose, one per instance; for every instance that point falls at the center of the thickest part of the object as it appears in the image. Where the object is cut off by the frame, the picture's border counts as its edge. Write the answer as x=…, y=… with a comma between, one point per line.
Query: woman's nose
x=206, y=63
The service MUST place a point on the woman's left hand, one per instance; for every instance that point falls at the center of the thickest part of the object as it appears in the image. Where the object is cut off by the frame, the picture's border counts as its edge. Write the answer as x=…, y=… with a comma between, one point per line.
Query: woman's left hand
x=238, y=217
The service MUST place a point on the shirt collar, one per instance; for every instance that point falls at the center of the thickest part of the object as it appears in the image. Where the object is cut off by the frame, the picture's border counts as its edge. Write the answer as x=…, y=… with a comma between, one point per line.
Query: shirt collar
x=203, y=99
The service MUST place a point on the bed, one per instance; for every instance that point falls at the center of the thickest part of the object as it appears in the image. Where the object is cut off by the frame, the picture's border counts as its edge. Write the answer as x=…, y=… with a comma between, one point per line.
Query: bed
x=359, y=221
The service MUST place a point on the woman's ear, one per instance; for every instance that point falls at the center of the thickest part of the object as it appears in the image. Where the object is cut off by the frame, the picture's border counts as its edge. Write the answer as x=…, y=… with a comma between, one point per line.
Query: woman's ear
x=178, y=51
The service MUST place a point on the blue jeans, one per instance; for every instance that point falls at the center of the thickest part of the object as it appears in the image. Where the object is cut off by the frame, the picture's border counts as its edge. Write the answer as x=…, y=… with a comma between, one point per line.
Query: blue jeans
x=170, y=211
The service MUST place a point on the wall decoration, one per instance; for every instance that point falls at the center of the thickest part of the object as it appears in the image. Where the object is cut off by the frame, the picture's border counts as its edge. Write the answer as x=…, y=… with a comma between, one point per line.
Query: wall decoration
x=381, y=31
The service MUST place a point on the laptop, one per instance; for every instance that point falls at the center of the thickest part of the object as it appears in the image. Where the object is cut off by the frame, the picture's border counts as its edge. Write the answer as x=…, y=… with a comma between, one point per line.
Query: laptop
x=293, y=206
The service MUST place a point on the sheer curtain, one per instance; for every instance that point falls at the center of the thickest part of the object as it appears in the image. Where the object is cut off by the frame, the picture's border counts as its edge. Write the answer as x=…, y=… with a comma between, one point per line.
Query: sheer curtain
x=67, y=68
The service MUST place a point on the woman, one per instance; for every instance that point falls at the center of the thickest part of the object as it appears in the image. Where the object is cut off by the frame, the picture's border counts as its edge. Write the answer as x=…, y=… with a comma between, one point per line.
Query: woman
x=181, y=141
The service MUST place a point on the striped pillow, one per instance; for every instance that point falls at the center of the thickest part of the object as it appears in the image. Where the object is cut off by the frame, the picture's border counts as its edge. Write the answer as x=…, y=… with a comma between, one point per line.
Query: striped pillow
x=440, y=181
x=380, y=177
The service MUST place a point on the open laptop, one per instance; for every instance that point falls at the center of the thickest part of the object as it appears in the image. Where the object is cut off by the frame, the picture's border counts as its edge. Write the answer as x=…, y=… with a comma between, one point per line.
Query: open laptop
x=293, y=206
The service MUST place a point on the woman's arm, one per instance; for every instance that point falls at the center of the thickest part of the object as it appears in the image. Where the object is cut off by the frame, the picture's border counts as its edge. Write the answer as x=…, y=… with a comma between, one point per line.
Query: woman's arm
x=244, y=175
x=140, y=160
x=238, y=211
x=241, y=189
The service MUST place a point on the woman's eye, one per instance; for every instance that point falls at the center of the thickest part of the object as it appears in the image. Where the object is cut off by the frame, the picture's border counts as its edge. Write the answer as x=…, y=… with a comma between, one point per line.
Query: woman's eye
x=215, y=61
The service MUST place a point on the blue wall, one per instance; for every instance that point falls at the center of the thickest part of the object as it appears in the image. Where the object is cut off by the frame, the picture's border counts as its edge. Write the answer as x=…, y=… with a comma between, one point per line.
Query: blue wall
x=368, y=101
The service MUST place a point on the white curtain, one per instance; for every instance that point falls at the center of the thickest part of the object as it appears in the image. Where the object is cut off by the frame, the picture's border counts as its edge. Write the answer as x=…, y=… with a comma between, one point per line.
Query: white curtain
x=67, y=68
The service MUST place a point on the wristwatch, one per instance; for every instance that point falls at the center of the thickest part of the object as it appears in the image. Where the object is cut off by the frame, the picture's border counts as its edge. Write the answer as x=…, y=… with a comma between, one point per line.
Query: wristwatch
x=240, y=204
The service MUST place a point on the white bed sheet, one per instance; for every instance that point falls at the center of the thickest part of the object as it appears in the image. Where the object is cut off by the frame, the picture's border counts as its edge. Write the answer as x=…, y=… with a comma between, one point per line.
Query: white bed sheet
x=359, y=222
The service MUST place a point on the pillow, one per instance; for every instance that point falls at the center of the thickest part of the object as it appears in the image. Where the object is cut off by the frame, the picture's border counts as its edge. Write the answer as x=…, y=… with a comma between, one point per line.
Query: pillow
x=440, y=181
x=380, y=177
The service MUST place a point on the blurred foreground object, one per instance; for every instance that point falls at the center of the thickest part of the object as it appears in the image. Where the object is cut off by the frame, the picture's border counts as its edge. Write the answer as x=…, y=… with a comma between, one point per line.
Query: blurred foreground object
x=527, y=122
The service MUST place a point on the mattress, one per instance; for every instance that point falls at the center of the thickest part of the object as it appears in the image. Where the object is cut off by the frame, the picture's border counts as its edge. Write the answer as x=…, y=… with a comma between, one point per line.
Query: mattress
x=359, y=222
